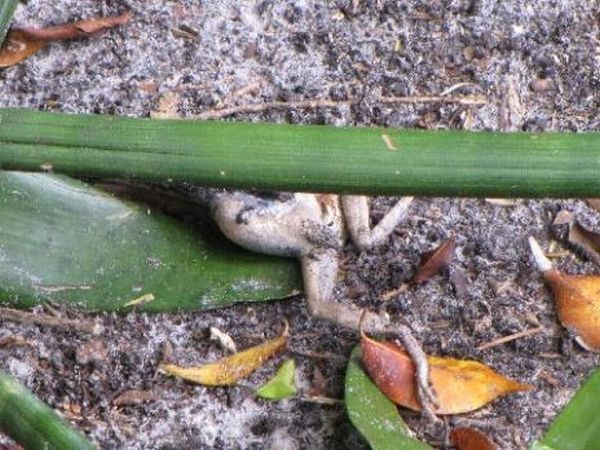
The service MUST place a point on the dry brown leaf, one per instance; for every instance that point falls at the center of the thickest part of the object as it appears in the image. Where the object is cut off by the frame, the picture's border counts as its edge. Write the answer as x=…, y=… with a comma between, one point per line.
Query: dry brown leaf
x=23, y=42
x=594, y=203
x=461, y=385
x=436, y=261
x=584, y=240
x=577, y=299
x=228, y=371
x=465, y=438
x=18, y=47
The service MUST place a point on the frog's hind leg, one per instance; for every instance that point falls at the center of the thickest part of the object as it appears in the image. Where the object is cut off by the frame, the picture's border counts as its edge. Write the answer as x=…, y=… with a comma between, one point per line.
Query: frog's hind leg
x=356, y=213
x=320, y=271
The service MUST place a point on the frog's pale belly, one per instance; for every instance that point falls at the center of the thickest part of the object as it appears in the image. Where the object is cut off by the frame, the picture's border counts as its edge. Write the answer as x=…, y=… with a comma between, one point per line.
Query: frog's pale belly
x=288, y=228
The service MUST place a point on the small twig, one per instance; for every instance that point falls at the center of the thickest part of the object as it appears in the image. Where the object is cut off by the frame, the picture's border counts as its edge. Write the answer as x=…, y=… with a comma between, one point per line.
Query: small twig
x=15, y=315
x=456, y=86
x=394, y=292
x=312, y=104
x=260, y=107
x=317, y=355
x=468, y=100
x=511, y=337
x=321, y=400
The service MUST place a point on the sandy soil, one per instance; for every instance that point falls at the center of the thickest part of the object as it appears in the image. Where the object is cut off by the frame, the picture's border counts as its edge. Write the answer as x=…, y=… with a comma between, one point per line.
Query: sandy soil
x=537, y=65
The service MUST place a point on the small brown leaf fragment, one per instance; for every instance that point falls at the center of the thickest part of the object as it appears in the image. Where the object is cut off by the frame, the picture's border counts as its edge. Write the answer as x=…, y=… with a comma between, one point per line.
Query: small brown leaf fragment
x=465, y=438
x=228, y=371
x=21, y=43
x=435, y=262
x=577, y=299
x=133, y=397
x=585, y=241
x=18, y=47
x=13, y=341
x=461, y=385
x=93, y=351
x=74, y=30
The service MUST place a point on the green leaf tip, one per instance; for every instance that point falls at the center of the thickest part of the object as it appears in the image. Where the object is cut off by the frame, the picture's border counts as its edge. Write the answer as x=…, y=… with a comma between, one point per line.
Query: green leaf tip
x=67, y=242
x=578, y=426
x=373, y=414
x=282, y=385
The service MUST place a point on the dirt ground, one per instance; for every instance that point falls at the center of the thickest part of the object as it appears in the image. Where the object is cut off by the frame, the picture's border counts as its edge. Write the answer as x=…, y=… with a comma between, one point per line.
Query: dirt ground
x=537, y=65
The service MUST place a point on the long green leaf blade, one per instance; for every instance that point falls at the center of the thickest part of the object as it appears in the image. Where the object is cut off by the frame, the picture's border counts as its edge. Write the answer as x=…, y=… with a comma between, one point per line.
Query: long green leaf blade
x=373, y=414
x=578, y=425
x=7, y=9
x=31, y=423
x=304, y=158
x=64, y=241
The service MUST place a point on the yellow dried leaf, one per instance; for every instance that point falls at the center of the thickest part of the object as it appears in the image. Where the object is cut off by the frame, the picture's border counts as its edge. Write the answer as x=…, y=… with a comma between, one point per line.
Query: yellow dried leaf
x=577, y=299
x=461, y=385
x=228, y=371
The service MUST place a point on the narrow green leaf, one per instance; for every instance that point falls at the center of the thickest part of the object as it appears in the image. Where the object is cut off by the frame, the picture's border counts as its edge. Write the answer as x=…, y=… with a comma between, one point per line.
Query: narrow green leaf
x=537, y=445
x=64, y=241
x=7, y=9
x=373, y=414
x=282, y=385
x=304, y=158
x=578, y=425
x=31, y=423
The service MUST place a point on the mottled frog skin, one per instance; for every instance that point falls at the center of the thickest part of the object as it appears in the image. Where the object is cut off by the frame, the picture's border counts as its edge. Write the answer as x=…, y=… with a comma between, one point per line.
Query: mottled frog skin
x=311, y=227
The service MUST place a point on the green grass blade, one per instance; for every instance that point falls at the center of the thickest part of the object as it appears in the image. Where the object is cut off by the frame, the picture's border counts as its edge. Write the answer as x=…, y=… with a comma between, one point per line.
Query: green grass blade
x=373, y=414
x=304, y=158
x=578, y=425
x=32, y=424
x=64, y=241
x=7, y=9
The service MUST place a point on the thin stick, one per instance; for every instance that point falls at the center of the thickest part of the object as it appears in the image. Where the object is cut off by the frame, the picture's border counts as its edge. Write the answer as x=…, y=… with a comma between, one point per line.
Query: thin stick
x=319, y=399
x=511, y=337
x=15, y=315
x=312, y=104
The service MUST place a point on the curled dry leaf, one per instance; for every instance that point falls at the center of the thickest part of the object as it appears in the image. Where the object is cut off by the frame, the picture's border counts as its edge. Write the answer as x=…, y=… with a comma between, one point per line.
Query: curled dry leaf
x=465, y=438
x=584, y=240
x=228, y=371
x=461, y=385
x=436, y=261
x=21, y=43
x=577, y=299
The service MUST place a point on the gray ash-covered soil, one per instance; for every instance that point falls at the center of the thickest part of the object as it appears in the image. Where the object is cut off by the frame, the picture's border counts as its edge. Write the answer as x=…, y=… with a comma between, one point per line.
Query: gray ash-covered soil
x=537, y=65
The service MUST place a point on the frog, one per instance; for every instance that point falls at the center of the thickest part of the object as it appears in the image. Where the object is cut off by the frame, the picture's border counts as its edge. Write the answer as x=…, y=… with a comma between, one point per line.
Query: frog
x=314, y=227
